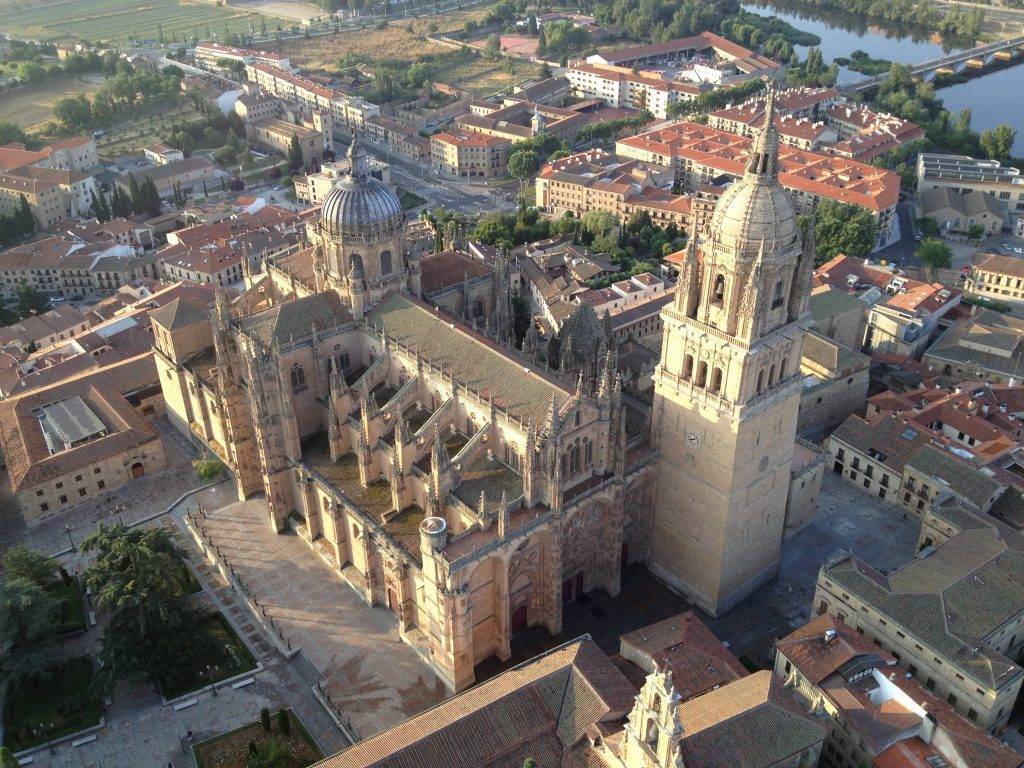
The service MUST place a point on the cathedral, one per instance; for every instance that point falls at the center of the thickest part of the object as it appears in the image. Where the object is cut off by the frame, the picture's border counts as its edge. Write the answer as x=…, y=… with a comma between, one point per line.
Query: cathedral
x=377, y=402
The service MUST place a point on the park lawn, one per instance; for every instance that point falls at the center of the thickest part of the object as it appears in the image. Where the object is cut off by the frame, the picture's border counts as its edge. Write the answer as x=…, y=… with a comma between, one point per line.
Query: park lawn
x=117, y=20
x=32, y=106
x=229, y=750
x=231, y=657
x=65, y=701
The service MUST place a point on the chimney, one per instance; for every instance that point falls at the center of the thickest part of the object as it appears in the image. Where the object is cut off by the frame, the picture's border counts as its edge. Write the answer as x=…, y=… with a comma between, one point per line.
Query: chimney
x=830, y=636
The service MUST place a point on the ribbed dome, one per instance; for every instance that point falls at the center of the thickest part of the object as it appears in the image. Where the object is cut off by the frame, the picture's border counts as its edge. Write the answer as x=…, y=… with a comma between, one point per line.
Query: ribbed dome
x=757, y=208
x=752, y=211
x=360, y=206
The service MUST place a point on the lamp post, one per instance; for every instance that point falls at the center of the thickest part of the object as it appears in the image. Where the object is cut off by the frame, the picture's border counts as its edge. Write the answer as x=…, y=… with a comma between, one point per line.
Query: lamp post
x=209, y=671
x=67, y=530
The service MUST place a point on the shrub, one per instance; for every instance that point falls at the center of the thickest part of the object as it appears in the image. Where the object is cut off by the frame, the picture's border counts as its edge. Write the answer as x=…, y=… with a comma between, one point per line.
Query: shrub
x=207, y=467
x=265, y=719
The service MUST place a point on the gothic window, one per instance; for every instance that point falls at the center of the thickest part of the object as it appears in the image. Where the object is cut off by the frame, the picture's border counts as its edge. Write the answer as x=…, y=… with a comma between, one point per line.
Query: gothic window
x=718, y=293
x=588, y=453
x=574, y=458
x=716, y=380
x=298, y=377
x=565, y=464
x=651, y=737
x=577, y=419
x=687, y=367
x=760, y=381
x=777, y=295
x=771, y=376
x=478, y=307
x=385, y=263
x=702, y=374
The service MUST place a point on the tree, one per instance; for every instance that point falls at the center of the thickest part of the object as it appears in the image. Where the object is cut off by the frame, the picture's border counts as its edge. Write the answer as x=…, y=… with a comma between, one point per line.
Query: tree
x=598, y=223
x=529, y=763
x=265, y=719
x=30, y=617
x=843, y=228
x=20, y=562
x=997, y=143
x=935, y=254
x=521, y=317
x=284, y=723
x=975, y=232
x=151, y=197
x=492, y=46
x=545, y=71
x=523, y=164
x=30, y=300
x=294, y=155
x=135, y=193
x=542, y=43
x=26, y=218
x=7, y=759
x=10, y=132
x=151, y=632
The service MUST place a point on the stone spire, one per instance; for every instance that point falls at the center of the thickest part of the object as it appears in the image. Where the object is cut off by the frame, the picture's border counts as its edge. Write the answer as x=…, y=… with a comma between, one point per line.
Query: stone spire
x=763, y=162
x=503, y=517
x=356, y=159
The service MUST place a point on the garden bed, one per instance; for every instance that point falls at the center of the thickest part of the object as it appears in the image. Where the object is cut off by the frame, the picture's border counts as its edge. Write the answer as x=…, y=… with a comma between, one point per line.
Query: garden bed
x=231, y=657
x=231, y=749
x=62, y=705
x=73, y=618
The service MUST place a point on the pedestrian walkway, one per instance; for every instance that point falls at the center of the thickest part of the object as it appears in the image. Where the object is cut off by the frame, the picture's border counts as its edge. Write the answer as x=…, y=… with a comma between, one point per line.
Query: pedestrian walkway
x=372, y=677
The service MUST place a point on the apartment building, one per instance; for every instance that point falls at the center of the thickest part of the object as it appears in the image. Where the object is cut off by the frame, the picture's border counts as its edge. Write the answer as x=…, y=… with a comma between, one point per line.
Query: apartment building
x=700, y=154
x=468, y=154
x=210, y=54
x=871, y=454
x=523, y=119
x=953, y=617
x=902, y=313
x=75, y=154
x=997, y=277
x=65, y=267
x=400, y=138
x=187, y=174
x=309, y=97
x=254, y=107
x=876, y=714
x=622, y=88
x=598, y=180
x=985, y=346
x=962, y=174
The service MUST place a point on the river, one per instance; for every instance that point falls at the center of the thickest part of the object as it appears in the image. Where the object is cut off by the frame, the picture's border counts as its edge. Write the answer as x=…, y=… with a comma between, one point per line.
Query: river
x=986, y=97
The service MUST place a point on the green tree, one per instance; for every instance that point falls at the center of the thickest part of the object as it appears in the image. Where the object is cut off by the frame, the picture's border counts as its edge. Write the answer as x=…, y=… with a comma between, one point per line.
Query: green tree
x=294, y=155
x=492, y=46
x=997, y=143
x=151, y=631
x=10, y=132
x=843, y=228
x=598, y=223
x=542, y=43
x=975, y=232
x=20, y=562
x=7, y=759
x=523, y=164
x=26, y=218
x=151, y=197
x=30, y=300
x=30, y=617
x=935, y=254
x=135, y=193
x=284, y=723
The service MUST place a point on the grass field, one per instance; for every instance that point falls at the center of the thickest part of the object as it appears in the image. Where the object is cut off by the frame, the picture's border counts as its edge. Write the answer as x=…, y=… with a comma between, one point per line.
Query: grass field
x=31, y=107
x=117, y=20
x=134, y=134
x=65, y=705
x=393, y=43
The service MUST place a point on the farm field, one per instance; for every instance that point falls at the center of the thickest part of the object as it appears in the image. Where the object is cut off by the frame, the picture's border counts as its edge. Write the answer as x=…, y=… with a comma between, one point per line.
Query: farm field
x=31, y=107
x=117, y=20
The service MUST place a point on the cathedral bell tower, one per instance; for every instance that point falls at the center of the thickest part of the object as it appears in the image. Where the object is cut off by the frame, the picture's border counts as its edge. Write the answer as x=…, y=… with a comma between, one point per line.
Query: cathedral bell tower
x=727, y=389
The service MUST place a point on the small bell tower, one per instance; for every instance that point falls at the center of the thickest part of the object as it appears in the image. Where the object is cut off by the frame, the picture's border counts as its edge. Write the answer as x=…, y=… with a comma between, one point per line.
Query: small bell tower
x=654, y=734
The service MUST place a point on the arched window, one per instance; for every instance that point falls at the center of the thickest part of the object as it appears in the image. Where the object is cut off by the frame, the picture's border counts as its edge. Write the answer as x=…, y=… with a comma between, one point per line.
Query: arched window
x=588, y=453
x=574, y=458
x=298, y=376
x=760, y=381
x=716, y=380
x=718, y=293
x=478, y=307
x=771, y=376
x=777, y=295
x=702, y=374
x=687, y=367
x=651, y=737
x=385, y=263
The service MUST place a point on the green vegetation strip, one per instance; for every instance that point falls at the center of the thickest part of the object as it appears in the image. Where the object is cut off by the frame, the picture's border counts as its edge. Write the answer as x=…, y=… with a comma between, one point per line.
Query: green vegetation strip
x=230, y=657
x=231, y=749
x=56, y=704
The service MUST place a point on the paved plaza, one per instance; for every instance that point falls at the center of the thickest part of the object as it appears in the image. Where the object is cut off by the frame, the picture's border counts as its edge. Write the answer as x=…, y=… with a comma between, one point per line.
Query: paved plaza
x=374, y=678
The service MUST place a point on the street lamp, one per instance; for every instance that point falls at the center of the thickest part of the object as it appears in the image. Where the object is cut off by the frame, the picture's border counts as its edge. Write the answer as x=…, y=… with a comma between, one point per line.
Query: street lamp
x=67, y=530
x=209, y=671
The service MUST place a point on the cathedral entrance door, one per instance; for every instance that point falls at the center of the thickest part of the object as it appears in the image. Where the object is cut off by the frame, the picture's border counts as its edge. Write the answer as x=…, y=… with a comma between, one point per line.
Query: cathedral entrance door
x=520, y=617
x=567, y=590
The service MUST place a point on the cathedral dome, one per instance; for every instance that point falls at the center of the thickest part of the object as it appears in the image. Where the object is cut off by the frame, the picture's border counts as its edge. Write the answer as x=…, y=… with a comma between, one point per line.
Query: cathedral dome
x=757, y=208
x=361, y=206
x=751, y=212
